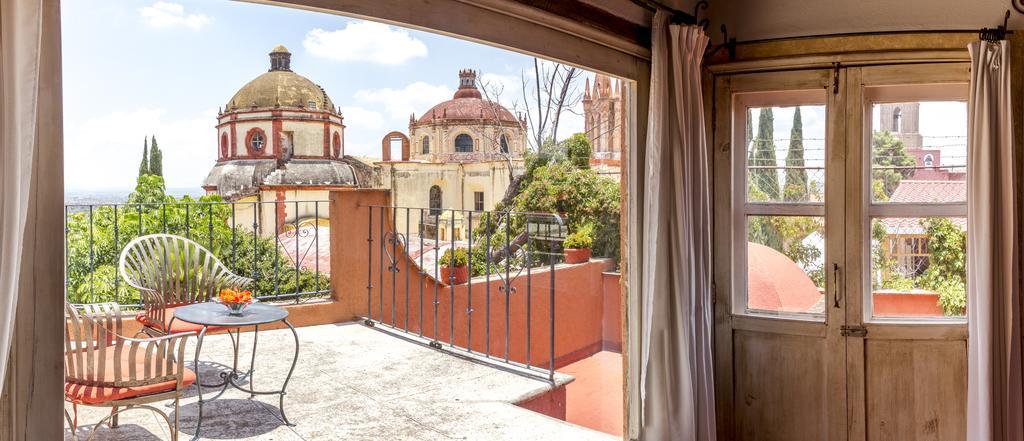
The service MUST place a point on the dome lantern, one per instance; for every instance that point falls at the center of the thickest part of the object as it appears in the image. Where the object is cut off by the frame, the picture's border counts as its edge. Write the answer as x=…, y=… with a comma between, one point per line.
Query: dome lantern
x=280, y=59
x=467, y=85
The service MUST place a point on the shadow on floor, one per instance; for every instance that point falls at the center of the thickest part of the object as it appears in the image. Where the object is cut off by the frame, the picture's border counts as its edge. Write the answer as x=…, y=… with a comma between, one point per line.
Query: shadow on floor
x=230, y=419
x=126, y=432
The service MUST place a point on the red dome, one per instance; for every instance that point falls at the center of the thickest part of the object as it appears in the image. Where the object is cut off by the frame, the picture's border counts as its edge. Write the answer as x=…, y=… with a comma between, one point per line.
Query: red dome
x=776, y=283
x=467, y=109
x=468, y=104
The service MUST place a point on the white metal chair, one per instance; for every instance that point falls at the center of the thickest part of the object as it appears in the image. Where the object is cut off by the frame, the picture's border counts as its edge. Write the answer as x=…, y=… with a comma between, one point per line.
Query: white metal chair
x=171, y=271
x=105, y=369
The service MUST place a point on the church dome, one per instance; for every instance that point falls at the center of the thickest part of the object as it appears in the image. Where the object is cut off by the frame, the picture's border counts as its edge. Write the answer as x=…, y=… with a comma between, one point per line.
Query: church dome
x=468, y=104
x=280, y=87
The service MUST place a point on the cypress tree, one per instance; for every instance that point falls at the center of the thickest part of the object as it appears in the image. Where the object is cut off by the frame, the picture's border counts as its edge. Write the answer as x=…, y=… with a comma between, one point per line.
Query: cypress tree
x=765, y=177
x=796, y=175
x=144, y=166
x=156, y=159
x=750, y=135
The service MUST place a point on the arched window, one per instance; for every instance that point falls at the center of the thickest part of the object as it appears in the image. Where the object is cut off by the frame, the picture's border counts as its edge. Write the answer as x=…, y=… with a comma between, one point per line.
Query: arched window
x=463, y=143
x=435, y=200
x=426, y=145
x=504, y=144
x=257, y=140
x=224, y=145
x=897, y=120
x=336, y=145
x=312, y=104
x=929, y=160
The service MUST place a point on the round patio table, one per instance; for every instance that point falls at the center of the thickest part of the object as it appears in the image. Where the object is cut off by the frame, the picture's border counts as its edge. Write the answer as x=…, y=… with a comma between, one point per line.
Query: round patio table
x=211, y=314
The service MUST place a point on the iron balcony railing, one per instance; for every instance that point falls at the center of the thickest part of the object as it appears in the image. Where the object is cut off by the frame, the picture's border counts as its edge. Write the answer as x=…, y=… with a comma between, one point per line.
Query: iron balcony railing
x=507, y=252
x=279, y=244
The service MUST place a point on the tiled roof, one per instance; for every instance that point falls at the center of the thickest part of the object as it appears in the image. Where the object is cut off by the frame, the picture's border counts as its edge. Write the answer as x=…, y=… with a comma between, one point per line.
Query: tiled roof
x=923, y=192
x=930, y=192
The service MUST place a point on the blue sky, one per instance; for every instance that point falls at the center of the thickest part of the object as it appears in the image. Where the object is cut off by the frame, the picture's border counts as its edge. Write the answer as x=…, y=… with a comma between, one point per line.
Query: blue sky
x=135, y=68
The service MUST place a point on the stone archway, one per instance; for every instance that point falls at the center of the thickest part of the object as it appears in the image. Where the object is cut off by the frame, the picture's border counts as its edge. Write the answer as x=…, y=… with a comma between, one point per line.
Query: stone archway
x=385, y=145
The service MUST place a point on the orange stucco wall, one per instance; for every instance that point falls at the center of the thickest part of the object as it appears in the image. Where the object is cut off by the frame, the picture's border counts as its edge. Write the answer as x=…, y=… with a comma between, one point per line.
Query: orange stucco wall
x=906, y=304
x=462, y=310
x=612, y=316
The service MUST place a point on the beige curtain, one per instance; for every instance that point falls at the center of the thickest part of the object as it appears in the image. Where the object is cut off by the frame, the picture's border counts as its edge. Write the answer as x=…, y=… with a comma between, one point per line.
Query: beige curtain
x=994, y=388
x=31, y=221
x=20, y=34
x=677, y=388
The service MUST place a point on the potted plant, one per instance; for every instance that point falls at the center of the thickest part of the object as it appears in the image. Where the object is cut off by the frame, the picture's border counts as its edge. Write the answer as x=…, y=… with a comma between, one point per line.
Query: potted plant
x=577, y=245
x=455, y=266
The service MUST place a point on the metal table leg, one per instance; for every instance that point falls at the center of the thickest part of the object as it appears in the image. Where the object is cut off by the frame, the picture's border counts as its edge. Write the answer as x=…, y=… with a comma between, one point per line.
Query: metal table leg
x=199, y=383
x=231, y=377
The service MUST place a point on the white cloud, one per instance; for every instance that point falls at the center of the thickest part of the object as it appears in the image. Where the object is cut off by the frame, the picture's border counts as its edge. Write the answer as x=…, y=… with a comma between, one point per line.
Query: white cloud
x=362, y=118
x=171, y=15
x=365, y=41
x=415, y=98
x=105, y=151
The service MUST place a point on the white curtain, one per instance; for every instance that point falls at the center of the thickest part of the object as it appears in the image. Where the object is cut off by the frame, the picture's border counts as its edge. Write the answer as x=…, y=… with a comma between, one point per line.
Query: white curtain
x=20, y=37
x=994, y=388
x=677, y=387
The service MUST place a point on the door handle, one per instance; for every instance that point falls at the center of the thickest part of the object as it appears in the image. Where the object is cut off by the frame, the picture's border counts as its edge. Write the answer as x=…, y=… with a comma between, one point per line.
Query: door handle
x=835, y=285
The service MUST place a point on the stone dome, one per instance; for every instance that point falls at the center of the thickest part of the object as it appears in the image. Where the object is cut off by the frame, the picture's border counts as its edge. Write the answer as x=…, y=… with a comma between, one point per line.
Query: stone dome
x=467, y=104
x=280, y=87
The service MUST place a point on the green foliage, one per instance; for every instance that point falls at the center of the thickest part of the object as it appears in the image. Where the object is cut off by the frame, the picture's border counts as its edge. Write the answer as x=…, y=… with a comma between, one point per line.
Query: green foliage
x=579, y=150
x=94, y=244
x=460, y=256
x=947, y=272
x=144, y=165
x=588, y=199
x=888, y=156
x=156, y=159
x=581, y=238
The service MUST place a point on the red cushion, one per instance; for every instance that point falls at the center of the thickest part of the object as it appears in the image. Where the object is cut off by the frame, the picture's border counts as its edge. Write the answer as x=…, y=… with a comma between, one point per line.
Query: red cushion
x=178, y=325
x=84, y=394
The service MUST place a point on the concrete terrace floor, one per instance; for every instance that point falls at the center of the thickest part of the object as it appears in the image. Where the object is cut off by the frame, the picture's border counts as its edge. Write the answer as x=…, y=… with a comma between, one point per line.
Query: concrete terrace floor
x=352, y=383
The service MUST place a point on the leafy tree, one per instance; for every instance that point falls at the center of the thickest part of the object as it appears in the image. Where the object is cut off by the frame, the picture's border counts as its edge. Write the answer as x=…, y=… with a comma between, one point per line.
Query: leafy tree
x=156, y=159
x=796, y=189
x=578, y=149
x=947, y=257
x=890, y=164
x=144, y=165
x=95, y=240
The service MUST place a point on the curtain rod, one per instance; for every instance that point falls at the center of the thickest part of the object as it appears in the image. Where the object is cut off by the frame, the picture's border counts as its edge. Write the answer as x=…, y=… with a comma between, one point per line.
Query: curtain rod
x=678, y=17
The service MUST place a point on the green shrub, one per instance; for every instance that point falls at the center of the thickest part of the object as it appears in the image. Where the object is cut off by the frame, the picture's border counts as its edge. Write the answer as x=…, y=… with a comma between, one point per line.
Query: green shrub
x=582, y=238
x=461, y=258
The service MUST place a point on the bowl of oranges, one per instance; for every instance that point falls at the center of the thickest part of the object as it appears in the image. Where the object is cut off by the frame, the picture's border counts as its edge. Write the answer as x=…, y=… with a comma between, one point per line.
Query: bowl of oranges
x=236, y=300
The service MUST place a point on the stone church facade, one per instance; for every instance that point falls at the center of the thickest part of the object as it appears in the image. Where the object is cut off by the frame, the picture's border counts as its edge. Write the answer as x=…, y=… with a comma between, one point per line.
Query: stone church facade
x=280, y=142
x=605, y=106
x=461, y=154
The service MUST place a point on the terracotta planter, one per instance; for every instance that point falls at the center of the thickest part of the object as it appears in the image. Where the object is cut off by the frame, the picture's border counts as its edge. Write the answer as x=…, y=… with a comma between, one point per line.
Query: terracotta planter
x=461, y=274
x=577, y=255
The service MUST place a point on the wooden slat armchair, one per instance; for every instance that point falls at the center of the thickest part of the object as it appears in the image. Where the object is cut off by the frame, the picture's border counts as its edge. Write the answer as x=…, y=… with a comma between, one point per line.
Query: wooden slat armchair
x=171, y=271
x=105, y=369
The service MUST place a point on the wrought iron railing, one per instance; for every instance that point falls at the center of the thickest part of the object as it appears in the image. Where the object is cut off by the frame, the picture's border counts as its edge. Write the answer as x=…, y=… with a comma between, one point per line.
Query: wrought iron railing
x=507, y=253
x=279, y=244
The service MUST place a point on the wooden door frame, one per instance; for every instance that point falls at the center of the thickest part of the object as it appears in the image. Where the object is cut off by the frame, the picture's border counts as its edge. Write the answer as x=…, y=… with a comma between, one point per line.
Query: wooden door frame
x=729, y=317
x=858, y=250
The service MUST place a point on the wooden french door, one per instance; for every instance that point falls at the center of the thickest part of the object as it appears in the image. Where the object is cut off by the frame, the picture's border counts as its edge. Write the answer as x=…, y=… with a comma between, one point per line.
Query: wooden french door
x=781, y=362
x=828, y=323
x=907, y=368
